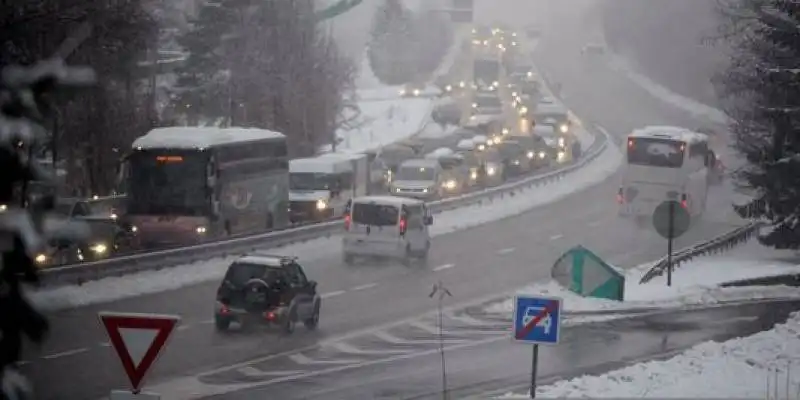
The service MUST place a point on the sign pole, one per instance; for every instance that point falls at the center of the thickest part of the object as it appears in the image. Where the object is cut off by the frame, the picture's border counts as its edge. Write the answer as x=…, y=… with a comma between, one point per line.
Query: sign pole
x=671, y=229
x=534, y=364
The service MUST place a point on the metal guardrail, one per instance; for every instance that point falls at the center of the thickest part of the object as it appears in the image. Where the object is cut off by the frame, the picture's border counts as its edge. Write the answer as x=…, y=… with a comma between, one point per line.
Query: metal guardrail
x=123, y=265
x=716, y=245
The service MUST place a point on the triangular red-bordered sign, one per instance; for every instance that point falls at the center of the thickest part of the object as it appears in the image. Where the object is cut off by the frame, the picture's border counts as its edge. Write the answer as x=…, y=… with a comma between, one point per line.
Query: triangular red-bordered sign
x=138, y=340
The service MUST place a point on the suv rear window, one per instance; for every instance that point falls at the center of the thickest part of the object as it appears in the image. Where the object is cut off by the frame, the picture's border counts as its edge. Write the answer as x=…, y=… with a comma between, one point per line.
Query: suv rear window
x=375, y=214
x=239, y=273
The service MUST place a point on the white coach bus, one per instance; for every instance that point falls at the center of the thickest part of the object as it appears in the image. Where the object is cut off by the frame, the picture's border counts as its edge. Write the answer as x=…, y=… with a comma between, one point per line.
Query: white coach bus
x=664, y=163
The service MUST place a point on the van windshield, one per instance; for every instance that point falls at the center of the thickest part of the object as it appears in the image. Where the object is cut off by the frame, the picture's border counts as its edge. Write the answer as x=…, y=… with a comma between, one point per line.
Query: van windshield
x=375, y=214
x=656, y=152
x=416, y=174
x=311, y=181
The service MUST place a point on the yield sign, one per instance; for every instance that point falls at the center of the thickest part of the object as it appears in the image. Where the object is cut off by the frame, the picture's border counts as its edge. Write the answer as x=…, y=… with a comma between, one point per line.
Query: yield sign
x=138, y=340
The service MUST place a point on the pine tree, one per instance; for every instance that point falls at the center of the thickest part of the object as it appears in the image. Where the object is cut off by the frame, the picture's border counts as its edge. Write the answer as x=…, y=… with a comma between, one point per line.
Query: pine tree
x=391, y=51
x=763, y=90
x=202, y=88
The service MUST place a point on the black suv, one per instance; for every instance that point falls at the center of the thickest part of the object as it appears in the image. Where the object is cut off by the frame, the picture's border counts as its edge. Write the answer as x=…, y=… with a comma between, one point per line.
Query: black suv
x=267, y=289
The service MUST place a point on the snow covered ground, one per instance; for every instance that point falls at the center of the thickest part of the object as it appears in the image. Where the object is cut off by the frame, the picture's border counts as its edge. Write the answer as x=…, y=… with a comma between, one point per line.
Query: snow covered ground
x=694, y=283
x=764, y=365
x=324, y=249
x=664, y=94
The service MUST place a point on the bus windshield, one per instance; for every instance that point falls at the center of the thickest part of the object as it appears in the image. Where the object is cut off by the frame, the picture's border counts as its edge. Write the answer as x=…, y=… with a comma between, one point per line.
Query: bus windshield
x=169, y=182
x=311, y=181
x=656, y=152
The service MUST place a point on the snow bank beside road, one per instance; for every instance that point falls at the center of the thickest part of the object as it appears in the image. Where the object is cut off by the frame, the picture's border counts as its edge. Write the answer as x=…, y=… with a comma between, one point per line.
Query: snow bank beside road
x=736, y=369
x=694, y=284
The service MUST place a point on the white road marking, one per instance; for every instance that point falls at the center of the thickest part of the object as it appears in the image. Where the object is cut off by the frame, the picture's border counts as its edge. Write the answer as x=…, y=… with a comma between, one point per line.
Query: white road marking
x=556, y=237
x=183, y=327
x=65, y=353
x=302, y=359
x=506, y=251
x=465, y=319
x=332, y=294
x=443, y=267
x=364, y=287
x=252, y=372
x=433, y=330
x=388, y=337
x=105, y=344
x=343, y=347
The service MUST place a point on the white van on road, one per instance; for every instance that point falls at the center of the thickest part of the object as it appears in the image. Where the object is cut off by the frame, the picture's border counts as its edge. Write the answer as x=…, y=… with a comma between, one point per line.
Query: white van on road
x=320, y=187
x=418, y=178
x=386, y=227
x=664, y=163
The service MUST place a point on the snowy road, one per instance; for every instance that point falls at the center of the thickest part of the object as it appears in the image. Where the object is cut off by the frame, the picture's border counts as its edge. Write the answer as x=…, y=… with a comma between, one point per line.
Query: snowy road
x=497, y=365
x=478, y=262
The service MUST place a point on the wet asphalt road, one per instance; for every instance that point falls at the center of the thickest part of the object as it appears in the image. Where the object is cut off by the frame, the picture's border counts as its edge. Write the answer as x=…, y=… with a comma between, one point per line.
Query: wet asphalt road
x=495, y=364
x=76, y=363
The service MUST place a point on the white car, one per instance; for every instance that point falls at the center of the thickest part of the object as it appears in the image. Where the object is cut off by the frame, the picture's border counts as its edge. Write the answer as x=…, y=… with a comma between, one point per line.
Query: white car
x=387, y=227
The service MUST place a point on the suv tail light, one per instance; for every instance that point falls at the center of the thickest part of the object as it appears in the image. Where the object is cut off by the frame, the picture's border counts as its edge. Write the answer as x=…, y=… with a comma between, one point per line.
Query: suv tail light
x=347, y=222
x=684, y=201
x=620, y=196
x=403, y=225
x=223, y=308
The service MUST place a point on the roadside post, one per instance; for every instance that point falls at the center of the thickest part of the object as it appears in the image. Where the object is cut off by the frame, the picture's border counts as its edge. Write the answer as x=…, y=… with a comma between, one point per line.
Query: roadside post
x=537, y=320
x=671, y=220
x=138, y=340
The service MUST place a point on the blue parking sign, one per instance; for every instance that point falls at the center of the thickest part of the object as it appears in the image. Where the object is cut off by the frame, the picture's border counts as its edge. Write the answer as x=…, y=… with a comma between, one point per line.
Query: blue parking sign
x=537, y=320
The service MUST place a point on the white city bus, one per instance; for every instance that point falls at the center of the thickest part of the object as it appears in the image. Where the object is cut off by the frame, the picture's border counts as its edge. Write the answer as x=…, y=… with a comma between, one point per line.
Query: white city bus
x=664, y=163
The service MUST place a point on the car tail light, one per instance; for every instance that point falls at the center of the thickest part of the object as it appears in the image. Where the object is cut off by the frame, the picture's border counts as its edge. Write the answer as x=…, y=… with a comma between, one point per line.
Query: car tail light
x=269, y=316
x=347, y=222
x=223, y=308
x=684, y=201
x=620, y=196
x=403, y=226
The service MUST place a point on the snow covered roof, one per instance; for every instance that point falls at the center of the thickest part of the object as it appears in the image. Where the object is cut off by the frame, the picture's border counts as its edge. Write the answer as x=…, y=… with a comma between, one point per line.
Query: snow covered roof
x=319, y=165
x=439, y=153
x=419, y=162
x=466, y=144
x=186, y=137
x=668, y=132
x=393, y=200
x=479, y=139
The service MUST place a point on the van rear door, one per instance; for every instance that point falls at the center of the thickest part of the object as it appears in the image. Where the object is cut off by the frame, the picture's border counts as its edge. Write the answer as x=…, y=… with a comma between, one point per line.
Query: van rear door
x=375, y=224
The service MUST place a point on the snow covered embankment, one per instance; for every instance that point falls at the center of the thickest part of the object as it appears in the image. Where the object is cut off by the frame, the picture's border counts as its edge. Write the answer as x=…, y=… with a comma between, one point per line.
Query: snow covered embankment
x=697, y=283
x=736, y=369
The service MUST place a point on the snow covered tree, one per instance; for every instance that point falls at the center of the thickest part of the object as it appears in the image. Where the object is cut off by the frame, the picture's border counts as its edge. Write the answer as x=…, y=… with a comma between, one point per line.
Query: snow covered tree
x=762, y=87
x=391, y=51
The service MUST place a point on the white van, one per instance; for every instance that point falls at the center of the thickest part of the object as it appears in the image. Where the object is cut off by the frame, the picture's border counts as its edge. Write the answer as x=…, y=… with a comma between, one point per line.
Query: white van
x=320, y=187
x=386, y=227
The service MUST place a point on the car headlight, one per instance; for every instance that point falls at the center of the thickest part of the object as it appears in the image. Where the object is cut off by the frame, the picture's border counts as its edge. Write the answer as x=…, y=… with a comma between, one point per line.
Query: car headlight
x=3, y=207
x=481, y=147
x=563, y=128
x=473, y=175
x=490, y=171
x=523, y=110
x=542, y=154
x=561, y=155
x=530, y=74
x=472, y=117
x=448, y=88
x=417, y=92
x=113, y=215
x=505, y=131
x=476, y=41
x=322, y=204
x=462, y=84
x=425, y=190
x=41, y=259
x=513, y=43
x=134, y=229
x=514, y=94
x=449, y=185
x=485, y=42
x=99, y=248
x=495, y=83
x=474, y=105
x=402, y=92
x=200, y=230
x=516, y=162
x=530, y=155
x=561, y=142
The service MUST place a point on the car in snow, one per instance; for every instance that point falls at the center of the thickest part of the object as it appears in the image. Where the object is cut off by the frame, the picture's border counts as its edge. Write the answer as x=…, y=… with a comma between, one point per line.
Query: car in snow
x=415, y=89
x=486, y=109
x=266, y=289
x=418, y=178
x=386, y=227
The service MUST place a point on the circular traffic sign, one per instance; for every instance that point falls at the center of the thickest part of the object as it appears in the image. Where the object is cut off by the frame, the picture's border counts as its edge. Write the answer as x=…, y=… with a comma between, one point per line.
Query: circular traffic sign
x=680, y=217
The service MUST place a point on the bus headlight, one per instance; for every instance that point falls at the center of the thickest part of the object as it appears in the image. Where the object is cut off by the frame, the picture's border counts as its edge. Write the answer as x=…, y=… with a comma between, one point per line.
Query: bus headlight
x=200, y=230
x=530, y=155
x=322, y=204
x=563, y=128
x=99, y=248
x=41, y=259
x=449, y=185
x=561, y=142
x=490, y=171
